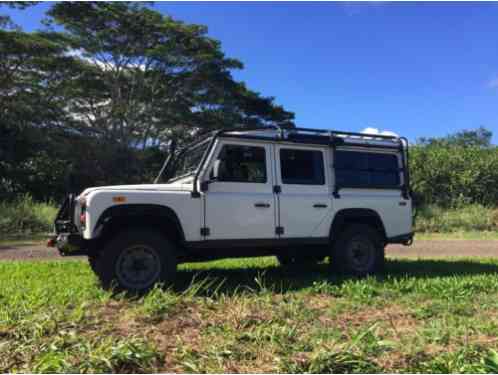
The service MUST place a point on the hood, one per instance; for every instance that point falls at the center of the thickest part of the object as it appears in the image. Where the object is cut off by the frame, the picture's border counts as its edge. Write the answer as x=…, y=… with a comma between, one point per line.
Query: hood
x=177, y=186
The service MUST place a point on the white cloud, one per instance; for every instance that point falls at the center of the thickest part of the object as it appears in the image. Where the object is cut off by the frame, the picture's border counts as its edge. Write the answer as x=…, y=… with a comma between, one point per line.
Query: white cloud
x=374, y=131
x=493, y=83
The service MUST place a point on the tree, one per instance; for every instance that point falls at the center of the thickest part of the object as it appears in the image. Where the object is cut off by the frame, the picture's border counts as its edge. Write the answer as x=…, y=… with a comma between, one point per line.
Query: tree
x=99, y=98
x=158, y=77
x=480, y=137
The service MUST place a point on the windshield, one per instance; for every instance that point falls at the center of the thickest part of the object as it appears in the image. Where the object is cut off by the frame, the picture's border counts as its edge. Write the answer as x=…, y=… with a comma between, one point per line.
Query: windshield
x=188, y=160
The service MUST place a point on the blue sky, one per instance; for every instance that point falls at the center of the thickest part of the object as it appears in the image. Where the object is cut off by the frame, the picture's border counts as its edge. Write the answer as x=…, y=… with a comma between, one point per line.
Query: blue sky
x=418, y=69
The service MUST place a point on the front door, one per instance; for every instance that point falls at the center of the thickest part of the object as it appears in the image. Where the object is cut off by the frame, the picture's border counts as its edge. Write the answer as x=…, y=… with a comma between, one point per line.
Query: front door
x=240, y=204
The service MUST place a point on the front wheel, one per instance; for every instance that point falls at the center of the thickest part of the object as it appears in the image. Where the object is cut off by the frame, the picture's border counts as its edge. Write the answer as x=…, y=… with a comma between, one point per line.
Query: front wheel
x=359, y=251
x=135, y=261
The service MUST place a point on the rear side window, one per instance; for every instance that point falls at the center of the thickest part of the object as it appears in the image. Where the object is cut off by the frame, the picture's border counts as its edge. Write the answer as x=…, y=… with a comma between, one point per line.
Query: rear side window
x=302, y=167
x=364, y=169
x=242, y=164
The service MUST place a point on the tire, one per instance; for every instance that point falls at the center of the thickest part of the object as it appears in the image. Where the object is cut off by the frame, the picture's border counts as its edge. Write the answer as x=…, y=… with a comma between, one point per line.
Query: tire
x=93, y=261
x=135, y=261
x=358, y=251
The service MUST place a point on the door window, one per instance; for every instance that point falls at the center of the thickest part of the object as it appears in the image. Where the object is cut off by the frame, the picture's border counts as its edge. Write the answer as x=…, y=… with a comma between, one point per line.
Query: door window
x=301, y=167
x=242, y=164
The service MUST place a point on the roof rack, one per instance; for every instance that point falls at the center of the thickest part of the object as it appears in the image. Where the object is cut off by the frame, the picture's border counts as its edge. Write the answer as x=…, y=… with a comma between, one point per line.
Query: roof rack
x=316, y=136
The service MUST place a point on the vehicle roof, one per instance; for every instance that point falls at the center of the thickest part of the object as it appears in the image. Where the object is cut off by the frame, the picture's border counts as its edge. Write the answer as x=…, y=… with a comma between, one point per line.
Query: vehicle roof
x=319, y=136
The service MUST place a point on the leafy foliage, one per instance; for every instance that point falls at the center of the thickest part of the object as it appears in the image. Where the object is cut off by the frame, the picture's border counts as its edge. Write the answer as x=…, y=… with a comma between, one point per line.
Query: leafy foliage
x=454, y=175
x=94, y=103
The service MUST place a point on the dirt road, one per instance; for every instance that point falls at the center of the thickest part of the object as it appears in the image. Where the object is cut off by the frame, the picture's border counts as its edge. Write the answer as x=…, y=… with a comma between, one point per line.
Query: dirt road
x=420, y=249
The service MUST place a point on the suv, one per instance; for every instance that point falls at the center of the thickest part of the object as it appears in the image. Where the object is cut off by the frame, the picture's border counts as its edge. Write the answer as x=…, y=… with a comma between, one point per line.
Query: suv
x=300, y=194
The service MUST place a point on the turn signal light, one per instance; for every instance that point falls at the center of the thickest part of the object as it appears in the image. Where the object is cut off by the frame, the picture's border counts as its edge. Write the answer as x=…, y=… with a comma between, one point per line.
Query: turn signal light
x=119, y=199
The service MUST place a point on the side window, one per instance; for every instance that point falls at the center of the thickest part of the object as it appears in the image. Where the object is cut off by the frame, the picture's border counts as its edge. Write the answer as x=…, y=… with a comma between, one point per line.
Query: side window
x=242, y=164
x=301, y=167
x=364, y=169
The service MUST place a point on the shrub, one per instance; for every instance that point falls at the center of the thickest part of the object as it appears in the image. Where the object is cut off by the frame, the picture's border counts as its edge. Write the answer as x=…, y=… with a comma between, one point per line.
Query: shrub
x=25, y=216
x=450, y=175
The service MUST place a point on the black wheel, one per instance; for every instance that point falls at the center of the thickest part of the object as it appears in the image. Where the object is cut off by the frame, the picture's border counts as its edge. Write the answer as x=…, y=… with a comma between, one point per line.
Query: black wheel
x=359, y=251
x=135, y=261
x=92, y=261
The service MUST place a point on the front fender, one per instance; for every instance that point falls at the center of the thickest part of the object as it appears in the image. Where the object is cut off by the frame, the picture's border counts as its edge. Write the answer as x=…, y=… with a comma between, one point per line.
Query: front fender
x=179, y=203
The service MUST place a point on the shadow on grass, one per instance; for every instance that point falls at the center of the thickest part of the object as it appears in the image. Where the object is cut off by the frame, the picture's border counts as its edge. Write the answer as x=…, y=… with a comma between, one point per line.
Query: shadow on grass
x=292, y=278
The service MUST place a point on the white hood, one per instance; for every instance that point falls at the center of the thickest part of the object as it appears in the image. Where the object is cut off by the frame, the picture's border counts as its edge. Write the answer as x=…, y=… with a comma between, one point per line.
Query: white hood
x=177, y=186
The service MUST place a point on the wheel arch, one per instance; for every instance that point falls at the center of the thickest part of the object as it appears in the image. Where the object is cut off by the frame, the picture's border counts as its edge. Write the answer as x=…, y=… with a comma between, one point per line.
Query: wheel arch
x=151, y=216
x=348, y=216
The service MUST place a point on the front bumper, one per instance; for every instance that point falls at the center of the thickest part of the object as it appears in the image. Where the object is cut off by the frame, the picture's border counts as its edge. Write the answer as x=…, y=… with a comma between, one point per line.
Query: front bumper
x=67, y=238
x=69, y=244
x=404, y=239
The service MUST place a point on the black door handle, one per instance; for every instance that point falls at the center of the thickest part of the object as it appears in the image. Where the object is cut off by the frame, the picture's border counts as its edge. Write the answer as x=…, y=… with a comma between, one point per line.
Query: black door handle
x=319, y=205
x=262, y=205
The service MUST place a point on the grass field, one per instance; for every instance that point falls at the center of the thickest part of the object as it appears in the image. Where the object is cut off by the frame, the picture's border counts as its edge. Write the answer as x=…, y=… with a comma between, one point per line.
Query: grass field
x=250, y=316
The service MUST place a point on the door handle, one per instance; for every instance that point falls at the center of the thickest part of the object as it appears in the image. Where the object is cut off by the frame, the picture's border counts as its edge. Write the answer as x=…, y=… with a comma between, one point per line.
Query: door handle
x=262, y=205
x=319, y=205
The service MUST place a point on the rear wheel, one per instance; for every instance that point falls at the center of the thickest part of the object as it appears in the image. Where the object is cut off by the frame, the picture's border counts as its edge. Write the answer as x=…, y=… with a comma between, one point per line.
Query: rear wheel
x=135, y=261
x=359, y=251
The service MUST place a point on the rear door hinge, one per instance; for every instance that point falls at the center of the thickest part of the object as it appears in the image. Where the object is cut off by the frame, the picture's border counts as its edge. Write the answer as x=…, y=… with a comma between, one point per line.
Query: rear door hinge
x=279, y=230
x=205, y=231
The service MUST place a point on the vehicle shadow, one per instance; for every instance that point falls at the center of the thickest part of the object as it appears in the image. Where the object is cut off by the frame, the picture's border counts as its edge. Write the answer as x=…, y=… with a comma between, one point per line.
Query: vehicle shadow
x=291, y=278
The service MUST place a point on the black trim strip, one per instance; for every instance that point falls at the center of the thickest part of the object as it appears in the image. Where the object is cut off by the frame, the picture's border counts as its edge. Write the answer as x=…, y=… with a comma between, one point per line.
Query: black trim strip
x=260, y=242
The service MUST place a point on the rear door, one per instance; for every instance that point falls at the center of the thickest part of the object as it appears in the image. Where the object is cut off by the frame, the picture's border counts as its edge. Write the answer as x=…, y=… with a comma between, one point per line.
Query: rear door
x=241, y=203
x=304, y=200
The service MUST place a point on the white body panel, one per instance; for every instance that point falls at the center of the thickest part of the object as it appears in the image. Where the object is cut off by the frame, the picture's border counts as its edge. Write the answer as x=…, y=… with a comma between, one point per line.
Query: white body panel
x=174, y=196
x=297, y=214
x=228, y=208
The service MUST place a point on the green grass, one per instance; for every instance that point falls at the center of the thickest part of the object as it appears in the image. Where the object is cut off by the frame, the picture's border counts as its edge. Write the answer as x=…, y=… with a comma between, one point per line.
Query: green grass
x=250, y=315
x=458, y=235
x=467, y=218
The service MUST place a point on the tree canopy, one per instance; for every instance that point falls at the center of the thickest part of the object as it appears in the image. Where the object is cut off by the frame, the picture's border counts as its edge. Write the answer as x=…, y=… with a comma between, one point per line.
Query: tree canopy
x=107, y=87
x=480, y=137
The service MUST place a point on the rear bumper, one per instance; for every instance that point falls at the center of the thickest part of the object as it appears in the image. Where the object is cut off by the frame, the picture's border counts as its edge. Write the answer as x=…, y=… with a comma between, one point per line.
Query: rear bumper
x=404, y=239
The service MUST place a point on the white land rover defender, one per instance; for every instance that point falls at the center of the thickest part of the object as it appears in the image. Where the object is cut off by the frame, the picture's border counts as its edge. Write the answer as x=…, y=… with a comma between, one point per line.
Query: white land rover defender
x=300, y=194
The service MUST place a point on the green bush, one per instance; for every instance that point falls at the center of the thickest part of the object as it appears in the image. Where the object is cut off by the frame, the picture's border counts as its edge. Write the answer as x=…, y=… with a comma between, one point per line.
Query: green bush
x=453, y=175
x=473, y=217
x=25, y=216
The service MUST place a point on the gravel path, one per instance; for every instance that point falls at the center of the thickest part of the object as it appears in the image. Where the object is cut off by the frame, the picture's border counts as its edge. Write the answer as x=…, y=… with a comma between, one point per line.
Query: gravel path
x=420, y=249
